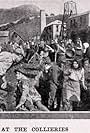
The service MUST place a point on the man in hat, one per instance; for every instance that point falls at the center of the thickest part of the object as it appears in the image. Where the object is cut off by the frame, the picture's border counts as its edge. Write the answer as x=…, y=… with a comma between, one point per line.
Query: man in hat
x=79, y=49
x=61, y=58
x=54, y=73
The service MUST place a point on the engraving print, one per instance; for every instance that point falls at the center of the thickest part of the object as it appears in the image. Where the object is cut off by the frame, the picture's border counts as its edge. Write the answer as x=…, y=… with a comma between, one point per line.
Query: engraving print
x=44, y=55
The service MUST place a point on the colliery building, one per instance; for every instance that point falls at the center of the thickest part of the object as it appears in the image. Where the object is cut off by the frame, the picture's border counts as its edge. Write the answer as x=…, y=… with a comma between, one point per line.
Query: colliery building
x=79, y=25
x=51, y=31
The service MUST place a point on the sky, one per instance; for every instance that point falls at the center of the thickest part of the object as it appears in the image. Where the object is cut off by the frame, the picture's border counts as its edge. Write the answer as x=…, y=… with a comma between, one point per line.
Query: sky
x=50, y=6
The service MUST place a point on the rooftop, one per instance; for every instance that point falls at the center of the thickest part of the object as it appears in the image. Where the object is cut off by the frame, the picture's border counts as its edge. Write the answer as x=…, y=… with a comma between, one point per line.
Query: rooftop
x=81, y=14
x=4, y=33
x=54, y=23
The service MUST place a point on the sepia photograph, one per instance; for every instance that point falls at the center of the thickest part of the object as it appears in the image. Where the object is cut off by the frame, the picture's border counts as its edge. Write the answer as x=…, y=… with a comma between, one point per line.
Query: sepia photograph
x=45, y=58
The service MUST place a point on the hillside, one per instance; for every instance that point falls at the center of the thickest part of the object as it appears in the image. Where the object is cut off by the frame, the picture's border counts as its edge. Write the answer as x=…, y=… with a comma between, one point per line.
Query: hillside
x=25, y=20
x=13, y=14
x=28, y=27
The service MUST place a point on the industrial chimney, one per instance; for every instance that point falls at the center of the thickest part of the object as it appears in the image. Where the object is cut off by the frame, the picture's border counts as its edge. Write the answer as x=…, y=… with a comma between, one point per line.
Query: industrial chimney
x=42, y=20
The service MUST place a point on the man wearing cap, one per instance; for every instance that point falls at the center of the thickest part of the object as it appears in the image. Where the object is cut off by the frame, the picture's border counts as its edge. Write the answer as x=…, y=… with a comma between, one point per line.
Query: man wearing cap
x=86, y=50
x=85, y=94
x=79, y=49
x=61, y=59
x=6, y=61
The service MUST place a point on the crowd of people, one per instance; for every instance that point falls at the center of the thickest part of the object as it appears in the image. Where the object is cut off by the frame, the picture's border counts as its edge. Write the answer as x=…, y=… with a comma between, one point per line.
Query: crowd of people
x=45, y=77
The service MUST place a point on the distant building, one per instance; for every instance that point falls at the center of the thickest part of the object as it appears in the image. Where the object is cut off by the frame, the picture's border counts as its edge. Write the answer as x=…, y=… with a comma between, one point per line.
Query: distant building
x=4, y=37
x=15, y=37
x=79, y=25
x=51, y=31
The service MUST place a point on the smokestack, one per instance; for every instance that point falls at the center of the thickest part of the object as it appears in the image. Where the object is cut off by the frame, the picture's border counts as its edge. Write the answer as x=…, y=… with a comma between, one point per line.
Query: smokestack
x=42, y=20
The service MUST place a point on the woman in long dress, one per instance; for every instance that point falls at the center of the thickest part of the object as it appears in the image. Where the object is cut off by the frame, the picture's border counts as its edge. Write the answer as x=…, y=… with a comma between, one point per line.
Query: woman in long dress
x=73, y=78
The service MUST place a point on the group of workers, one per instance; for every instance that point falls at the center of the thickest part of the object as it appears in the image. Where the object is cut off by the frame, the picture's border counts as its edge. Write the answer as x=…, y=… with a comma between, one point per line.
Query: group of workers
x=45, y=77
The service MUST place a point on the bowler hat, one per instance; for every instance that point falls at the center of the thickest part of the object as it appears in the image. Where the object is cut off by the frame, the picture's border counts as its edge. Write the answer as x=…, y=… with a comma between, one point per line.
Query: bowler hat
x=69, y=53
